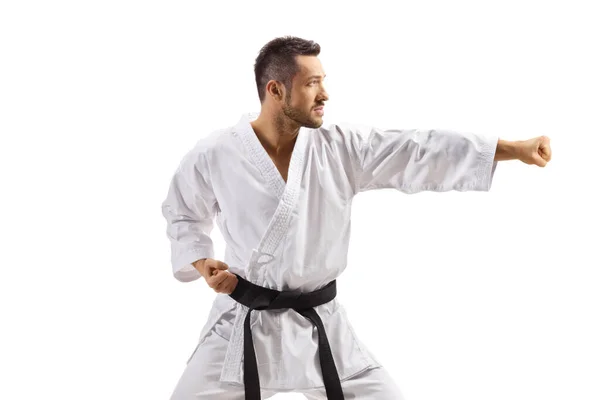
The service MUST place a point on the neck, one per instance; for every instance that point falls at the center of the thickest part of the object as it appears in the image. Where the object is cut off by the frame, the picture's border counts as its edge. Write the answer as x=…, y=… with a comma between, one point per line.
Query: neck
x=276, y=132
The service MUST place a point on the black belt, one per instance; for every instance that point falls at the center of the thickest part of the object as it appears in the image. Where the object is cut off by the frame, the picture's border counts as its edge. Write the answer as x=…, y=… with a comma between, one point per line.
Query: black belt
x=260, y=298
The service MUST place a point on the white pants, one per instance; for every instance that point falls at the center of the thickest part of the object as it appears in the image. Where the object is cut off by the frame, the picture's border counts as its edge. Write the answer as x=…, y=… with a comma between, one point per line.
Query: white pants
x=200, y=379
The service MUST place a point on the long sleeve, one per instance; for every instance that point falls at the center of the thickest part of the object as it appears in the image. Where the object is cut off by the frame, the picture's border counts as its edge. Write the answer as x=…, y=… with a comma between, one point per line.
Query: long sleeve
x=415, y=160
x=189, y=210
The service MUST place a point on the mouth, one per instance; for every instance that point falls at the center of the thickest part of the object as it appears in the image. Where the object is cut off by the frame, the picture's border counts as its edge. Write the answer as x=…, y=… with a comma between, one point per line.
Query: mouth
x=319, y=110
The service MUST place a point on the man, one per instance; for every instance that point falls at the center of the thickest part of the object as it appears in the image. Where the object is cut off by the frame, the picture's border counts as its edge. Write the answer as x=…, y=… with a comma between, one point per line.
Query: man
x=280, y=186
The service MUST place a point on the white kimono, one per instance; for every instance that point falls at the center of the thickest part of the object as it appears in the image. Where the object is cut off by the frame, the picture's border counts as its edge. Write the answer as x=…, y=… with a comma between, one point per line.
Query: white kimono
x=295, y=235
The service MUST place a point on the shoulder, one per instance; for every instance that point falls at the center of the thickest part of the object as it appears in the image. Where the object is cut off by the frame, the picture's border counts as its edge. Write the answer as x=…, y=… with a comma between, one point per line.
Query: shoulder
x=212, y=143
x=348, y=135
x=199, y=157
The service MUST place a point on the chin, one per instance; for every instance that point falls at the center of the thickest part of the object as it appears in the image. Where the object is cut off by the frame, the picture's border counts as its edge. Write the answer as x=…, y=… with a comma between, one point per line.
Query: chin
x=315, y=123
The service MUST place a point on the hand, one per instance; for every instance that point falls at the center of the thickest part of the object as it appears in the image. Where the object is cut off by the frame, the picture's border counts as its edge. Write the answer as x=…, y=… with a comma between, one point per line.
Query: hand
x=535, y=151
x=215, y=274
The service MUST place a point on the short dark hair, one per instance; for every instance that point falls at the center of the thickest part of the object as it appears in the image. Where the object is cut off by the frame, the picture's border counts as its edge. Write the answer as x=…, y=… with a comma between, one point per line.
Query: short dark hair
x=277, y=61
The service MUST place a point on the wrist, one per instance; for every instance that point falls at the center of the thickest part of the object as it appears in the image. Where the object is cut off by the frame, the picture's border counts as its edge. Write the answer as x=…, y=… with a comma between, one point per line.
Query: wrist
x=199, y=265
x=508, y=150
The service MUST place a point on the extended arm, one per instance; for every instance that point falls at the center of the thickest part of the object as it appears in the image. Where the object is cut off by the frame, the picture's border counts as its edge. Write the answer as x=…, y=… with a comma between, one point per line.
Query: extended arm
x=416, y=160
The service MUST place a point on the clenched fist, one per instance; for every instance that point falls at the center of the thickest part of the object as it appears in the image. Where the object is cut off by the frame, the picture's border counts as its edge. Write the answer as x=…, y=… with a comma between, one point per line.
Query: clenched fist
x=535, y=151
x=216, y=275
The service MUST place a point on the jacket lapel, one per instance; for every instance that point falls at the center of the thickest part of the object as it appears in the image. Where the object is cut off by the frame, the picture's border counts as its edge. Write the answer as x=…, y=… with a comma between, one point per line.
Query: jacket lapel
x=288, y=194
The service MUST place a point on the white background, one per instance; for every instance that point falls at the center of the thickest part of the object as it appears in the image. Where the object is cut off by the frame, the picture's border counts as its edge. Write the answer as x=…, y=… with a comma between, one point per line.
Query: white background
x=464, y=296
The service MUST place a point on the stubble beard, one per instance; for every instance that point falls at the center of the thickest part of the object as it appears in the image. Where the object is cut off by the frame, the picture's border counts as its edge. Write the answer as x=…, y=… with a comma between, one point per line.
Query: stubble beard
x=300, y=117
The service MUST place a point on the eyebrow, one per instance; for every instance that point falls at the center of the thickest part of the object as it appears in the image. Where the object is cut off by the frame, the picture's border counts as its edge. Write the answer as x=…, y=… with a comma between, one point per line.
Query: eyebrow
x=315, y=76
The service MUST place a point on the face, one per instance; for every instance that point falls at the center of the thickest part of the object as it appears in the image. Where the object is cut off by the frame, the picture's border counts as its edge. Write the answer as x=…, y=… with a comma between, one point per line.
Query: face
x=307, y=94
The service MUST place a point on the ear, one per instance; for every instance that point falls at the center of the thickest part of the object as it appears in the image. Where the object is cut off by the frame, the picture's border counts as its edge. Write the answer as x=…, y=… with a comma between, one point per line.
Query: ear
x=275, y=89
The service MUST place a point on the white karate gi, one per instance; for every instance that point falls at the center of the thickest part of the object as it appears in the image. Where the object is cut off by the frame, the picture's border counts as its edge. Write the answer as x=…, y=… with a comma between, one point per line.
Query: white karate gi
x=295, y=236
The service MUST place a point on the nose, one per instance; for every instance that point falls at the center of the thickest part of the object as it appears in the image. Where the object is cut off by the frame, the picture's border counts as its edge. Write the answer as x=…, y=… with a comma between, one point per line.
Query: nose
x=324, y=95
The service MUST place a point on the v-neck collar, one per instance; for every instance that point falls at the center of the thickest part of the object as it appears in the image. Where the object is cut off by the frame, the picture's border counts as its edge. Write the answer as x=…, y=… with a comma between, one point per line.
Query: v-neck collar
x=261, y=158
